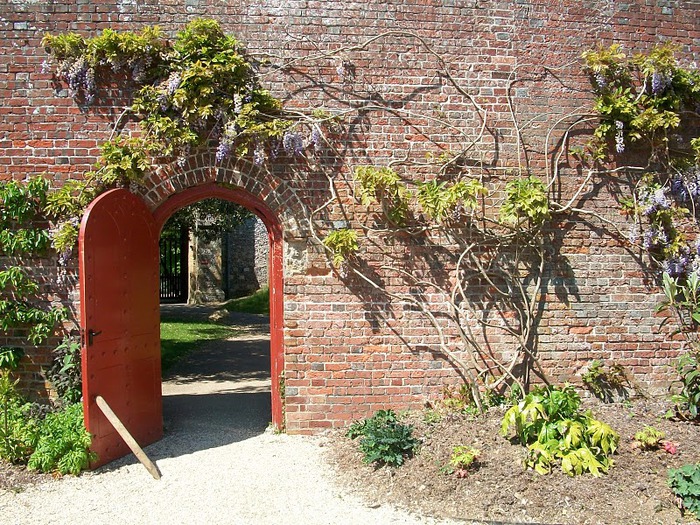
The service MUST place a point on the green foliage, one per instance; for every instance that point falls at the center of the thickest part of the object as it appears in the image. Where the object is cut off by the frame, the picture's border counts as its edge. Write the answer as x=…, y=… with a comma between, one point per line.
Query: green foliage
x=17, y=434
x=110, y=52
x=123, y=161
x=685, y=483
x=649, y=438
x=56, y=443
x=648, y=108
x=550, y=423
x=21, y=207
x=442, y=201
x=209, y=81
x=463, y=459
x=63, y=443
x=687, y=397
x=10, y=357
x=384, y=439
x=683, y=297
x=190, y=92
x=342, y=243
x=606, y=383
x=526, y=200
x=383, y=185
x=64, y=374
x=39, y=323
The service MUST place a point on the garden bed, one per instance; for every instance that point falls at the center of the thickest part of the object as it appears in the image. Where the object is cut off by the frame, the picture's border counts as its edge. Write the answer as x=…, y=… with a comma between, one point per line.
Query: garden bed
x=635, y=491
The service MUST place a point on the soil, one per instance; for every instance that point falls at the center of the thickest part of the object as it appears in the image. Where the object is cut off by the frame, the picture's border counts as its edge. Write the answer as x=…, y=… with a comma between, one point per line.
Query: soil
x=16, y=478
x=635, y=491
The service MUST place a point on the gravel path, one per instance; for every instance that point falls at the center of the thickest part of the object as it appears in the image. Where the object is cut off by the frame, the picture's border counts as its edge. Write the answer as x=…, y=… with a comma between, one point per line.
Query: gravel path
x=219, y=464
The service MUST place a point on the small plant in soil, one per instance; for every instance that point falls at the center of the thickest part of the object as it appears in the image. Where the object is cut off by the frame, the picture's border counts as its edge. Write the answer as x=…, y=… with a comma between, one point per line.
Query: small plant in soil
x=551, y=424
x=464, y=458
x=685, y=483
x=649, y=438
x=384, y=439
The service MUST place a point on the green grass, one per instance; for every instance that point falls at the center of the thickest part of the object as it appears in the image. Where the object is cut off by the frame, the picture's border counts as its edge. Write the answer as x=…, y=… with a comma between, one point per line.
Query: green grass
x=258, y=303
x=180, y=338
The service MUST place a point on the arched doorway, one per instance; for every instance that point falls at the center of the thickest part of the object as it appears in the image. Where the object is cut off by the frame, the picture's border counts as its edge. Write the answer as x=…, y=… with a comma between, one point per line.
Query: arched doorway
x=120, y=315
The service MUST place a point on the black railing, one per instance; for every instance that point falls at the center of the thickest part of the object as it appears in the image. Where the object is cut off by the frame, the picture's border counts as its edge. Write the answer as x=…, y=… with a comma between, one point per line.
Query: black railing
x=173, y=267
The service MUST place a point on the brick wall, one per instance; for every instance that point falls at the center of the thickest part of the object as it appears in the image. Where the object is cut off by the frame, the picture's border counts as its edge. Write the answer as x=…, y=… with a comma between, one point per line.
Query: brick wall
x=348, y=350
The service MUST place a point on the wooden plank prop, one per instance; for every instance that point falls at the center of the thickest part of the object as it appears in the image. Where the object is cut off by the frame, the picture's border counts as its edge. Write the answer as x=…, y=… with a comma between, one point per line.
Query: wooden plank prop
x=128, y=439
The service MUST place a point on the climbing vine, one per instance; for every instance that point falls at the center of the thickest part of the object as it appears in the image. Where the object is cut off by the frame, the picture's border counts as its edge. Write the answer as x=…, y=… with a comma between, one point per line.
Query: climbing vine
x=198, y=90
x=202, y=90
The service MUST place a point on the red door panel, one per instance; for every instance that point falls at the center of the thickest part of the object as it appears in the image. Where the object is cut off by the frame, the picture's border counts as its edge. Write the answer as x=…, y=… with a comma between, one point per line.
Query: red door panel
x=120, y=308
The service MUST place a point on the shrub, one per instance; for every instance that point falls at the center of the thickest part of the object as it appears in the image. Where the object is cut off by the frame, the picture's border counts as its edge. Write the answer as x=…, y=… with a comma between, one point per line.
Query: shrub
x=685, y=483
x=385, y=440
x=63, y=443
x=18, y=434
x=550, y=423
x=51, y=442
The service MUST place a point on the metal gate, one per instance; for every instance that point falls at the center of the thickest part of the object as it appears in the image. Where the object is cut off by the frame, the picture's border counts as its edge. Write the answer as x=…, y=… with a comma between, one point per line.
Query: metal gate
x=173, y=267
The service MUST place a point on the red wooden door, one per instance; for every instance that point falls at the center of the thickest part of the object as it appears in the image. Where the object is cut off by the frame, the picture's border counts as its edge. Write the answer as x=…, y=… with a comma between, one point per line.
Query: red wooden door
x=120, y=321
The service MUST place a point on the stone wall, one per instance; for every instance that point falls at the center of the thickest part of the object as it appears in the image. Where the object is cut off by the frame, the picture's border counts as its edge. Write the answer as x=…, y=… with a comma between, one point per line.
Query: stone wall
x=348, y=349
x=247, y=255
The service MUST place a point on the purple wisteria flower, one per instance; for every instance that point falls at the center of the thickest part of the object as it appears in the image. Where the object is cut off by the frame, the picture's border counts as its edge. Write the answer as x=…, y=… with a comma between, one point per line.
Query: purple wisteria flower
x=223, y=150
x=660, y=82
x=619, y=136
x=633, y=235
x=174, y=81
x=259, y=153
x=316, y=138
x=600, y=81
x=293, y=143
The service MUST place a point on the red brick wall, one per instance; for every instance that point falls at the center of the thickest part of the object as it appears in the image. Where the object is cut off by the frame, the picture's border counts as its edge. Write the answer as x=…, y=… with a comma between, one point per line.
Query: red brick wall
x=347, y=350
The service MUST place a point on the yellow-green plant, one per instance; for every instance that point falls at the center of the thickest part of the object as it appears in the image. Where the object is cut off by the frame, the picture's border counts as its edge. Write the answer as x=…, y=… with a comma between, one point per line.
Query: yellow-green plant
x=551, y=424
x=342, y=243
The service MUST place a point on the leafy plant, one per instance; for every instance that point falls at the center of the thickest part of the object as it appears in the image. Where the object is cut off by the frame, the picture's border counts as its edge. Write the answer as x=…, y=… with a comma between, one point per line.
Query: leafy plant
x=683, y=297
x=10, y=357
x=685, y=483
x=687, y=398
x=384, y=439
x=63, y=443
x=21, y=207
x=649, y=438
x=441, y=201
x=342, y=243
x=606, y=384
x=383, y=185
x=17, y=433
x=463, y=459
x=526, y=199
x=550, y=423
x=64, y=374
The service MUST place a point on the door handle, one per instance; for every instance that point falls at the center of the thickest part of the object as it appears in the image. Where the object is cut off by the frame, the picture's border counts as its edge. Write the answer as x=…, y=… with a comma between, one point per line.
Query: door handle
x=91, y=335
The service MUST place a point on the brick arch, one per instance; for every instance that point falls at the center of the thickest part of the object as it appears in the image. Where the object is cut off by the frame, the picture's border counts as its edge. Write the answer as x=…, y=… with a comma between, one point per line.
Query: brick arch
x=238, y=174
x=255, y=204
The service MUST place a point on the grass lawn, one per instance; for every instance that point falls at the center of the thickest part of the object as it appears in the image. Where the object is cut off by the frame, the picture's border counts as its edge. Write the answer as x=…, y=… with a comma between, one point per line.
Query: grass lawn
x=258, y=303
x=179, y=338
